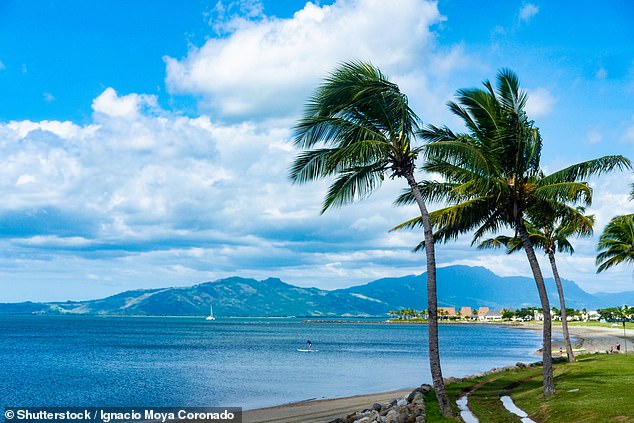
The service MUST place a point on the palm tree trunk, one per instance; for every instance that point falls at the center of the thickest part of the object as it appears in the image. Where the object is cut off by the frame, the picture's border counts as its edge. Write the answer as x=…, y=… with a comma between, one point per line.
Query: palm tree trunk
x=432, y=301
x=547, y=358
x=562, y=301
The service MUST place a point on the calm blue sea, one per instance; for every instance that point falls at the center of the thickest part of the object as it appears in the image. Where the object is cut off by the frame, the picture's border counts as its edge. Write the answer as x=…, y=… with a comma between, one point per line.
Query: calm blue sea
x=250, y=363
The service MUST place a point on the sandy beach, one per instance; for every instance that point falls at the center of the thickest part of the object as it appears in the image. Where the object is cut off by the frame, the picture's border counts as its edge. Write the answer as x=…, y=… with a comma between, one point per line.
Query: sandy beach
x=321, y=410
x=591, y=338
x=597, y=339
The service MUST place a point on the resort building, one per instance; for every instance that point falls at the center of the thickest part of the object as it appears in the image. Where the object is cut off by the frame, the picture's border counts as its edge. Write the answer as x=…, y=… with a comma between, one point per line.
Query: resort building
x=485, y=314
x=447, y=312
x=494, y=316
x=482, y=313
x=466, y=312
x=538, y=315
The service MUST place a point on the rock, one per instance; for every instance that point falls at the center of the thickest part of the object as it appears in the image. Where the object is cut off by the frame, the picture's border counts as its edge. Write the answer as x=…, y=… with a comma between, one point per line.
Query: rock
x=425, y=388
x=404, y=410
x=392, y=416
x=403, y=415
x=520, y=365
x=416, y=397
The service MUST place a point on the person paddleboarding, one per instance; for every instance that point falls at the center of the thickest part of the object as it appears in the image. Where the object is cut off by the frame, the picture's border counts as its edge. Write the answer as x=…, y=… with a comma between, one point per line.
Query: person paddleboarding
x=308, y=348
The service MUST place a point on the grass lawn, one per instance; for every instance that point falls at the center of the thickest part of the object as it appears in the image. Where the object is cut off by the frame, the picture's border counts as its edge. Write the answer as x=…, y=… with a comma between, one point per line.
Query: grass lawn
x=597, y=388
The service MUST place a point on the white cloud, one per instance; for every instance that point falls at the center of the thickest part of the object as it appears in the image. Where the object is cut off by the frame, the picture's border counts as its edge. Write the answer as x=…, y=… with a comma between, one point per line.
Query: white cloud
x=140, y=190
x=110, y=104
x=527, y=12
x=268, y=68
x=540, y=102
x=602, y=73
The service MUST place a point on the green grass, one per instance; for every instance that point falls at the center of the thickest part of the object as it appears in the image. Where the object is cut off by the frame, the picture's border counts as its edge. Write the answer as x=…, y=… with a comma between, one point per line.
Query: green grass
x=597, y=388
x=432, y=411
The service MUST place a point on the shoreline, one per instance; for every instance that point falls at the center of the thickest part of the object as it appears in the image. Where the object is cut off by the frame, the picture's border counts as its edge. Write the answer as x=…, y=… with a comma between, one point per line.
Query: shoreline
x=323, y=410
x=594, y=339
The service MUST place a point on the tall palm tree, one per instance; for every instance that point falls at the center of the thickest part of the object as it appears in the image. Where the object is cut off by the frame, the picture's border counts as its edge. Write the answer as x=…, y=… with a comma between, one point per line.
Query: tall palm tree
x=492, y=178
x=616, y=244
x=359, y=127
x=550, y=230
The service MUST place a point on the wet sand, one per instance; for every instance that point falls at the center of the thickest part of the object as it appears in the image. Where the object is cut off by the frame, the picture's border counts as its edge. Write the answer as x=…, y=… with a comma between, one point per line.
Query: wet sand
x=321, y=410
x=591, y=338
x=597, y=339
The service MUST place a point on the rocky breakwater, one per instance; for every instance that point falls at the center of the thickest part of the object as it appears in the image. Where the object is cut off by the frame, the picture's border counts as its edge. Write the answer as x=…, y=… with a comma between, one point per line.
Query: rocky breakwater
x=410, y=409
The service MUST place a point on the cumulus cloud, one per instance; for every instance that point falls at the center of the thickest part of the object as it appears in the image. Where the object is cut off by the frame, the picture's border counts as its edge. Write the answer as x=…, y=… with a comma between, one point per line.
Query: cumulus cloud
x=110, y=104
x=112, y=165
x=267, y=68
x=141, y=187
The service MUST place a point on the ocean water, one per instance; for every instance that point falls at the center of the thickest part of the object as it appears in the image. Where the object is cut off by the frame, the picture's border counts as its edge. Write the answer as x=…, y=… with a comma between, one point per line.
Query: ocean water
x=249, y=363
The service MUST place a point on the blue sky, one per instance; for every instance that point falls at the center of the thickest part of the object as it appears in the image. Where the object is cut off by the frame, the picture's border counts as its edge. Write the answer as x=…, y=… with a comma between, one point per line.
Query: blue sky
x=144, y=144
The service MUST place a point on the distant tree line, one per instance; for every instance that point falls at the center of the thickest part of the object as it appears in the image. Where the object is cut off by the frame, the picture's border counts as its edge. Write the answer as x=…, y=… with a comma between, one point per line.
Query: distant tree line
x=617, y=314
x=610, y=314
x=408, y=314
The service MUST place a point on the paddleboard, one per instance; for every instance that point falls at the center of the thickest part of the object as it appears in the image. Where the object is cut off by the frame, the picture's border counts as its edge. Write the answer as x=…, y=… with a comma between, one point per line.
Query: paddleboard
x=303, y=350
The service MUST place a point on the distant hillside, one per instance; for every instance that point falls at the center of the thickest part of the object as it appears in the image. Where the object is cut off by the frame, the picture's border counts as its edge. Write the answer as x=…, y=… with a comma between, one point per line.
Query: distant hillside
x=457, y=286
x=477, y=286
x=230, y=297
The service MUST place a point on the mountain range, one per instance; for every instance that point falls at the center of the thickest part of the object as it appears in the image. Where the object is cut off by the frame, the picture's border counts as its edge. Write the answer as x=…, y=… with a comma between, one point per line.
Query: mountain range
x=457, y=286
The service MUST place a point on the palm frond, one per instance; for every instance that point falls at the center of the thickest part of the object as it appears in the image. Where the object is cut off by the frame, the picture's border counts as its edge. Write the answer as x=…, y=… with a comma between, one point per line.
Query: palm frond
x=432, y=191
x=572, y=192
x=355, y=183
x=588, y=168
x=616, y=244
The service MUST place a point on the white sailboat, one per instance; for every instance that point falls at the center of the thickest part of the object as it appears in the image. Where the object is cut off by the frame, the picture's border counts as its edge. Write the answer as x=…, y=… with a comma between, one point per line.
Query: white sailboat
x=211, y=314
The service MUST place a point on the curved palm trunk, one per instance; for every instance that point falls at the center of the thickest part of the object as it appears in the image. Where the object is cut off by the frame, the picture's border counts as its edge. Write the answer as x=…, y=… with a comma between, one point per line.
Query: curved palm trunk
x=560, y=291
x=549, y=381
x=432, y=301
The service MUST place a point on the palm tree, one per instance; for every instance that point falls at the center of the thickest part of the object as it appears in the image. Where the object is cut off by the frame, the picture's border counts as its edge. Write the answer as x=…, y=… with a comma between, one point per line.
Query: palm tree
x=616, y=244
x=550, y=230
x=492, y=177
x=359, y=128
